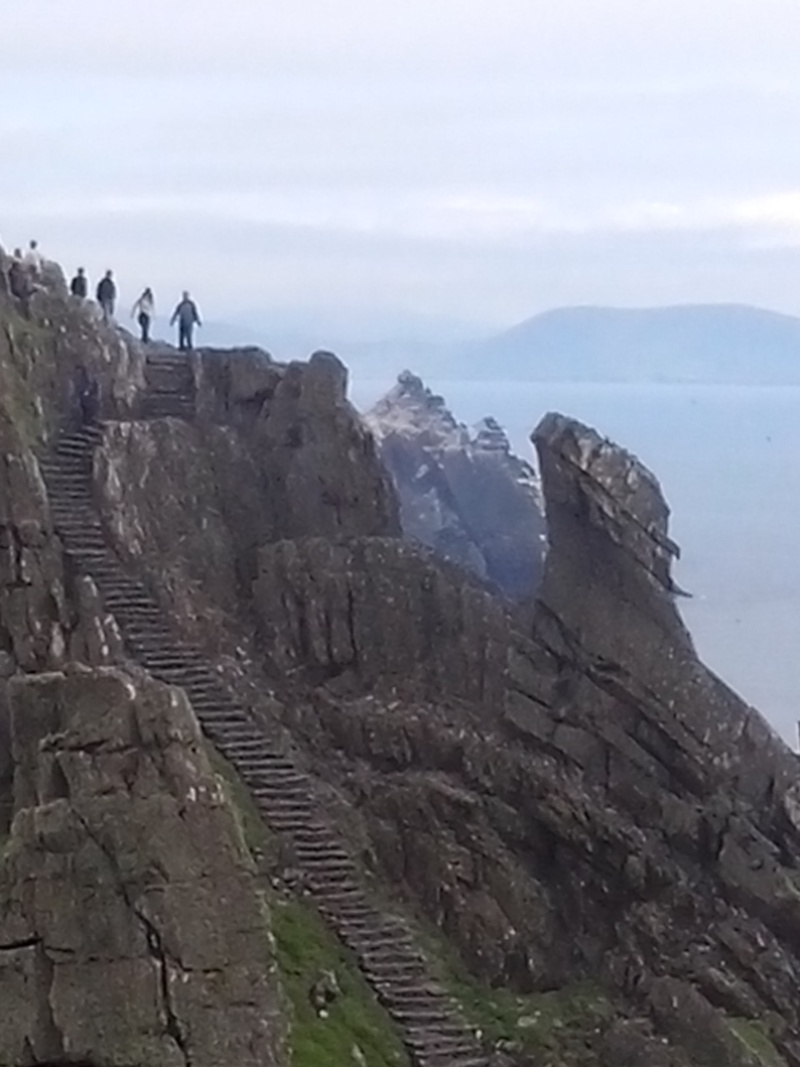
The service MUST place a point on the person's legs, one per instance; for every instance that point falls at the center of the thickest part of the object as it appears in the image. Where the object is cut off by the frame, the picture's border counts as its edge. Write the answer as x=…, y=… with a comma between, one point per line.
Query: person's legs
x=184, y=336
x=144, y=325
x=189, y=332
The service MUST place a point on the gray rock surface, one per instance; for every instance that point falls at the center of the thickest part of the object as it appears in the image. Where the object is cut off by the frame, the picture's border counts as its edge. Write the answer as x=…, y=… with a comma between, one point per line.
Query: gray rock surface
x=131, y=931
x=562, y=789
x=462, y=493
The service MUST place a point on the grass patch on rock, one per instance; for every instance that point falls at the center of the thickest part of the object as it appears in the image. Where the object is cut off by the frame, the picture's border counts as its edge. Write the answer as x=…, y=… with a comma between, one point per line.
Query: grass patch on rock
x=357, y=1029
x=305, y=950
x=757, y=1041
x=555, y=1029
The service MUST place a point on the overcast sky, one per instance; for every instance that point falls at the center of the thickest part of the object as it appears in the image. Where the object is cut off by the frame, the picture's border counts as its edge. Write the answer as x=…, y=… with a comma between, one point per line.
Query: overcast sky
x=472, y=160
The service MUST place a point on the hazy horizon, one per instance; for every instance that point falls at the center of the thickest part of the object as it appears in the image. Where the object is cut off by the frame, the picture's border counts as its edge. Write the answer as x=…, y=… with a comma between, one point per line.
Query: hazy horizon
x=465, y=160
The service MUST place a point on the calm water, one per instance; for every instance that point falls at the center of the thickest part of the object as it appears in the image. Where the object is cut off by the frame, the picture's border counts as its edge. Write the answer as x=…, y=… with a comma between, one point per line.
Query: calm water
x=727, y=459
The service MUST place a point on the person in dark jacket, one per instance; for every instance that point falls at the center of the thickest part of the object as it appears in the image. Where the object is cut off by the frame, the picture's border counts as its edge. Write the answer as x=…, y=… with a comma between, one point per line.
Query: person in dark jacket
x=187, y=317
x=19, y=283
x=79, y=286
x=107, y=295
x=87, y=391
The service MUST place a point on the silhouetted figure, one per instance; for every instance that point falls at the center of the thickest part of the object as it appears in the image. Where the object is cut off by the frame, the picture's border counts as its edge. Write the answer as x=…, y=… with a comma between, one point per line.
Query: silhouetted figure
x=146, y=308
x=87, y=391
x=107, y=295
x=187, y=316
x=33, y=259
x=19, y=283
x=79, y=286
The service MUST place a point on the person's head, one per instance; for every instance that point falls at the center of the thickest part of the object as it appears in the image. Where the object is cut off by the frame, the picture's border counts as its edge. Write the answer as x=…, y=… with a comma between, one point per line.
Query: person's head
x=148, y=293
x=109, y=274
x=34, y=245
x=80, y=272
x=18, y=253
x=185, y=294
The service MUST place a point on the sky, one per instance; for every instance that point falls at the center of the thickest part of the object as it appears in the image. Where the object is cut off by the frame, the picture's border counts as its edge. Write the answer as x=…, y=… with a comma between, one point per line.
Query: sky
x=456, y=165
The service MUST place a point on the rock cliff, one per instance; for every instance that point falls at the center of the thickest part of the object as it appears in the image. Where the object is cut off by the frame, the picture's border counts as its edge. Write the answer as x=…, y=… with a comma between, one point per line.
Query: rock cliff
x=464, y=494
x=131, y=931
x=594, y=839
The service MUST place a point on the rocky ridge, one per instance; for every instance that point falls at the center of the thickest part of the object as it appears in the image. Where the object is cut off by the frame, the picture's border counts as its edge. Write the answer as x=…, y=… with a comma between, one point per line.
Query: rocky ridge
x=566, y=795
x=462, y=493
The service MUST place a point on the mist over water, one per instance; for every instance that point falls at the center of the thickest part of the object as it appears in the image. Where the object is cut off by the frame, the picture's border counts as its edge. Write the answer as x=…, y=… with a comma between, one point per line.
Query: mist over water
x=727, y=460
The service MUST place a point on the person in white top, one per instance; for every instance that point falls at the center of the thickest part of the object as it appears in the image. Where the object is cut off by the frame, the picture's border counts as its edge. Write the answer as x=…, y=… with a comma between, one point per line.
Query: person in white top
x=146, y=308
x=33, y=258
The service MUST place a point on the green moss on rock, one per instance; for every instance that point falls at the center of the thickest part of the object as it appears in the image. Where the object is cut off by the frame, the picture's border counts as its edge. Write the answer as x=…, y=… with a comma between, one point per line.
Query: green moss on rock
x=560, y=1028
x=755, y=1038
x=305, y=950
x=357, y=1029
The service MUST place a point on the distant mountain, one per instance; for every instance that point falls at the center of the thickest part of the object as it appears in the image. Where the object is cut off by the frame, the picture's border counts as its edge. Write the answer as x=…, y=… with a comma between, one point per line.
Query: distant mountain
x=704, y=343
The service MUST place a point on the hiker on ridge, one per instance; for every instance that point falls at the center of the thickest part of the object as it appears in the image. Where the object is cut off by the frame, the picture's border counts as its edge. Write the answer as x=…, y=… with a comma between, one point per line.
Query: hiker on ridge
x=186, y=315
x=19, y=283
x=33, y=258
x=79, y=286
x=144, y=309
x=107, y=295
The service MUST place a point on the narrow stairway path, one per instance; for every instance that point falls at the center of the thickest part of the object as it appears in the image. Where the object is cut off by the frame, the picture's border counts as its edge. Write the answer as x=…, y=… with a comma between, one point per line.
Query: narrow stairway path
x=435, y=1033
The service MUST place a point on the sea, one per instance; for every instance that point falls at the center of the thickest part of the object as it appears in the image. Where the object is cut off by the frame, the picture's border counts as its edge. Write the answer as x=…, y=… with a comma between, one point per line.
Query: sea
x=728, y=461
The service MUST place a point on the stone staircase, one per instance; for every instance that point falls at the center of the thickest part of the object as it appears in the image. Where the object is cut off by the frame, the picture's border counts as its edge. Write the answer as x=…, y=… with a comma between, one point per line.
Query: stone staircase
x=433, y=1030
x=170, y=384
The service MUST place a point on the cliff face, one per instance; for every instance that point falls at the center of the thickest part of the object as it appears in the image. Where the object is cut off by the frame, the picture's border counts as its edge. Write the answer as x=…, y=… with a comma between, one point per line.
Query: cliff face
x=465, y=495
x=594, y=805
x=592, y=821
x=130, y=927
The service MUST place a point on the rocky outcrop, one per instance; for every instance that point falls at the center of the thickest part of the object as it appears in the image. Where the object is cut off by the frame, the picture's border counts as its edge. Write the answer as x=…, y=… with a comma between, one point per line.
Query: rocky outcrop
x=464, y=494
x=563, y=790
x=276, y=452
x=618, y=815
x=41, y=351
x=379, y=614
x=130, y=928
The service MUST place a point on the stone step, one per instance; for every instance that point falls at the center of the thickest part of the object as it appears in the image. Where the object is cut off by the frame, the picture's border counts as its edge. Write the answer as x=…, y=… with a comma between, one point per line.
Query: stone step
x=330, y=866
x=311, y=833
x=177, y=664
x=312, y=851
x=341, y=896
x=74, y=515
x=411, y=1013
x=390, y=954
x=415, y=995
x=180, y=659
x=86, y=552
x=227, y=718
x=477, y=1059
x=453, y=1030
x=473, y=1058
x=380, y=936
x=143, y=637
x=435, y=1045
x=258, y=766
x=274, y=758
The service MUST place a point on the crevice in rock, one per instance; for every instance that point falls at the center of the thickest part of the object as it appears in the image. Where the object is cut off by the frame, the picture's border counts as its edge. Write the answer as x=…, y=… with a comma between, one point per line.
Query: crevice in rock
x=155, y=945
x=26, y=942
